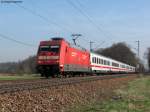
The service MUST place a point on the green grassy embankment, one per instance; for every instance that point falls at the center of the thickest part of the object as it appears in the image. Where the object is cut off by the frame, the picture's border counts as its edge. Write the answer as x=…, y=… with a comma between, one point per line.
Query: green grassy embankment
x=134, y=97
x=24, y=77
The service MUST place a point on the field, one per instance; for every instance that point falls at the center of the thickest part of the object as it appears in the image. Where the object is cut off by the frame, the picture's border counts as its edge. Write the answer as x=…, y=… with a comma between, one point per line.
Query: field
x=16, y=77
x=134, y=97
x=61, y=98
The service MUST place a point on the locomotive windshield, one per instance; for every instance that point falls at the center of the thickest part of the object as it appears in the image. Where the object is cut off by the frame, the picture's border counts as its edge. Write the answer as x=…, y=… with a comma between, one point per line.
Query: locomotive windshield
x=51, y=48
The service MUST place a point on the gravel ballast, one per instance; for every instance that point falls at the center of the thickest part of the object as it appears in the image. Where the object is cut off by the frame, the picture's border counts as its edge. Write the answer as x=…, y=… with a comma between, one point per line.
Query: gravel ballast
x=58, y=99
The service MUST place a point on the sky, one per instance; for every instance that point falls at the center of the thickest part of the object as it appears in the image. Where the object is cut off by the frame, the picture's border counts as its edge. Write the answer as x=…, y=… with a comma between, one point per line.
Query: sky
x=104, y=22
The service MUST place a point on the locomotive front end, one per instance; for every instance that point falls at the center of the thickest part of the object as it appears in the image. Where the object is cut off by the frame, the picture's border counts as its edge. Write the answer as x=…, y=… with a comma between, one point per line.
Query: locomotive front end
x=48, y=57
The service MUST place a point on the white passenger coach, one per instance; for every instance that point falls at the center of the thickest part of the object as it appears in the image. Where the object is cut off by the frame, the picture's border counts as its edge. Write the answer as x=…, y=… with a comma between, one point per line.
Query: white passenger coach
x=101, y=64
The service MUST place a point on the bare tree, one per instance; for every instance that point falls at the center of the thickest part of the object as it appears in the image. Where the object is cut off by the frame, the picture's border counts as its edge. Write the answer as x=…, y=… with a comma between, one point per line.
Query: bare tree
x=120, y=52
x=26, y=66
x=148, y=57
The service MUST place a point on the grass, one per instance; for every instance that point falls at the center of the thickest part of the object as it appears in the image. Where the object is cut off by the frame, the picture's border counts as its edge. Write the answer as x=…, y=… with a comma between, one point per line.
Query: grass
x=135, y=97
x=24, y=77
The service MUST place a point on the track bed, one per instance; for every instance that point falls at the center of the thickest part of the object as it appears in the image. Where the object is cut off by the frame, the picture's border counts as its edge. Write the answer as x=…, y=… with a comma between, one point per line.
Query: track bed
x=58, y=98
x=20, y=85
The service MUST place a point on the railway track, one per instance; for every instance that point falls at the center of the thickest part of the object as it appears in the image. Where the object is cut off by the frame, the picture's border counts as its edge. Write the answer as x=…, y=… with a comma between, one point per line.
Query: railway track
x=46, y=83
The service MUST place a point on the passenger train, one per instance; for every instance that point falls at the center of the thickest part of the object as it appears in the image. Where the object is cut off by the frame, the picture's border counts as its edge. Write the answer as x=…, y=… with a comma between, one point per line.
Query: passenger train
x=57, y=56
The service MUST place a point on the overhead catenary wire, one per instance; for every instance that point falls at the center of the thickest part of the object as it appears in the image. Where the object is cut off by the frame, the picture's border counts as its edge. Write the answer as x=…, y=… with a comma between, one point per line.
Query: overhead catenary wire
x=89, y=18
x=81, y=6
x=16, y=41
x=46, y=19
x=49, y=22
x=99, y=45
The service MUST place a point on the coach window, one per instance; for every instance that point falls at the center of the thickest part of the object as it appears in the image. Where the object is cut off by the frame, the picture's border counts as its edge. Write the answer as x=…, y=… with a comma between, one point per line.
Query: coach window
x=113, y=64
x=96, y=60
x=117, y=65
x=99, y=61
x=108, y=63
x=92, y=59
x=104, y=62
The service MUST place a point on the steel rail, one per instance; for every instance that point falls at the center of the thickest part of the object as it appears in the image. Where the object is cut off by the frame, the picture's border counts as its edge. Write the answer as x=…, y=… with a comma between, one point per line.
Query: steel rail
x=16, y=87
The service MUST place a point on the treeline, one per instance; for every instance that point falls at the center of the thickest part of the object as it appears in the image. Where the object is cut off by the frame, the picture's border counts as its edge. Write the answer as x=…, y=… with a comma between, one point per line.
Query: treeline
x=123, y=53
x=120, y=52
x=21, y=67
x=148, y=58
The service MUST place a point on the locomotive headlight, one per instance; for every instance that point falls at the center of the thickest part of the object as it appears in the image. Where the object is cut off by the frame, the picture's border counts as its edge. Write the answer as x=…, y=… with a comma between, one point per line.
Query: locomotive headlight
x=52, y=57
x=39, y=62
x=48, y=57
x=42, y=57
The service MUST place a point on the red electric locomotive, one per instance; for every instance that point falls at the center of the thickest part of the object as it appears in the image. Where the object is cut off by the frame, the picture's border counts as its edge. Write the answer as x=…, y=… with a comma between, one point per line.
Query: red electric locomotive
x=57, y=56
